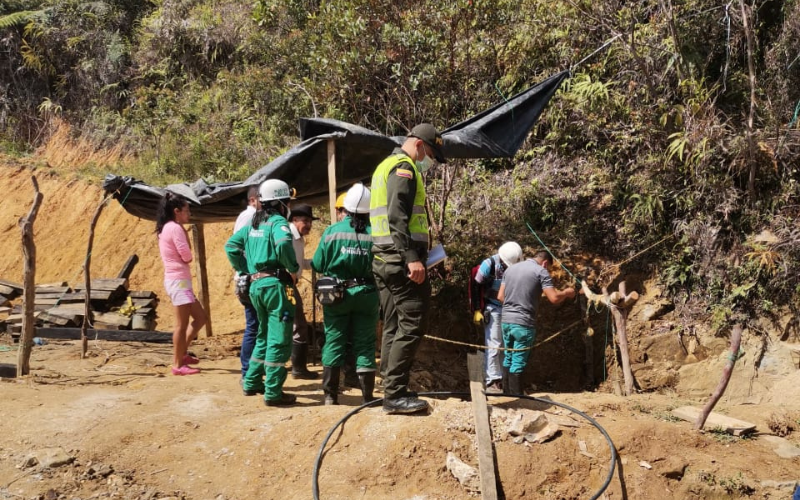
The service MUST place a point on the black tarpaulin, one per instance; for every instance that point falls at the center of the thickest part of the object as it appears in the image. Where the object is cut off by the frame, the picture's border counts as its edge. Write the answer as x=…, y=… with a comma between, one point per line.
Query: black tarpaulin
x=497, y=132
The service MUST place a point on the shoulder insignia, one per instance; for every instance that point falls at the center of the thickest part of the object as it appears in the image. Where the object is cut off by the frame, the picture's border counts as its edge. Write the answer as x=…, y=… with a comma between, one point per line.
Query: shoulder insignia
x=402, y=172
x=285, y=229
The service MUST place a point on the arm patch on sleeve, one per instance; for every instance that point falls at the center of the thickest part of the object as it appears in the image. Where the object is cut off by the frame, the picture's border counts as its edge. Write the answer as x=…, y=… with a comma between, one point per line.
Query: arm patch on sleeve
x=402, y=172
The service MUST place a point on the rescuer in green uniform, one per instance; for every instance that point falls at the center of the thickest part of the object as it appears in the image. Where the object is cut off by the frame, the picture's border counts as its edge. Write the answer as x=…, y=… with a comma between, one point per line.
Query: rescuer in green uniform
x=271, y=264
x=400, y=247
x=344, y=253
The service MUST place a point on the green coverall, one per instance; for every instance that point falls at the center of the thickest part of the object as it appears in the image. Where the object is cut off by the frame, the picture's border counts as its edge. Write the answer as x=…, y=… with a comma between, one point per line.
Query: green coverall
x=342, y=253
x=268, y=248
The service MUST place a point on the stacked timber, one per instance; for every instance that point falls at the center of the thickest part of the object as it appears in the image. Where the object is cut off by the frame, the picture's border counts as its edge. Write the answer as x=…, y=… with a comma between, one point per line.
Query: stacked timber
x=58, y=305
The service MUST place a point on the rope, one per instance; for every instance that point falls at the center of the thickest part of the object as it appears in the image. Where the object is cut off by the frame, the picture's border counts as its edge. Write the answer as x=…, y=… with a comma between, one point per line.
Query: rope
x=551, y=253
x=479, y=346
x=593, y=53
x=612, y=266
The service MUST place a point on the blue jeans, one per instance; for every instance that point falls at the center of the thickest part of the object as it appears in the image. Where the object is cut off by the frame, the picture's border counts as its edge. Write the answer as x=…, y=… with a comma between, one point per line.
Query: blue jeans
x=493, y=337
x=517, y=337
x=249, y=337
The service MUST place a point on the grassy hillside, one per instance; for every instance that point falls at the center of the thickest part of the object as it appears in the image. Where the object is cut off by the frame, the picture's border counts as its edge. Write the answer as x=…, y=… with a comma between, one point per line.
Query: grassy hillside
x=684, y=127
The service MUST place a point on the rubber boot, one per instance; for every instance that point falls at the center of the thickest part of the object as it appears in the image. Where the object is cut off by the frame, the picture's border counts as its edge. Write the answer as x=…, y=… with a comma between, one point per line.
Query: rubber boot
x=515, y=383
x=367, y=382
x=351, y=378
x=299, y=356
x=330, y=384
x=506, y=389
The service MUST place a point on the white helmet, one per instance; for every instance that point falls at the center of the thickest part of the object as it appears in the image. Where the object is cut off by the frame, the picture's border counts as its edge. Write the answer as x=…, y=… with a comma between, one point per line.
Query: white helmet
x=510, y=253
x=274, y=189
x=357, y=199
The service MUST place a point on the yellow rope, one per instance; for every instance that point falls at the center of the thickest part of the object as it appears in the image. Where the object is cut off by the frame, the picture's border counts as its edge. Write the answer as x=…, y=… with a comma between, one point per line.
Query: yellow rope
x=478, y=346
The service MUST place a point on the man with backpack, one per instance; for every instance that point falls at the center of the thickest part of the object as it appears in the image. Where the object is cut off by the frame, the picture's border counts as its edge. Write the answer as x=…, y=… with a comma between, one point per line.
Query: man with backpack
x=488, y=309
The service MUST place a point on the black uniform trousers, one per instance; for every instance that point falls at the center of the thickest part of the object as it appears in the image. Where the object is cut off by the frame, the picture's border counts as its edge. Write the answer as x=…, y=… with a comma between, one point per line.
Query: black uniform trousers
x=404, y=305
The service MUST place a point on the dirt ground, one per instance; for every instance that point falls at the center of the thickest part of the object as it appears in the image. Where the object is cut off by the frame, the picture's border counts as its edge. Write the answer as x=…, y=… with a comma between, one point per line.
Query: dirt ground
x=130, y=431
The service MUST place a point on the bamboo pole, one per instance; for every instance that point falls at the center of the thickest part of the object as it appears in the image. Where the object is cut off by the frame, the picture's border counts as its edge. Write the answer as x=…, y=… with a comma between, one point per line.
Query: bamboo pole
x=199, y=242
x=87, y=279
x=29, y=284
x=733, y=355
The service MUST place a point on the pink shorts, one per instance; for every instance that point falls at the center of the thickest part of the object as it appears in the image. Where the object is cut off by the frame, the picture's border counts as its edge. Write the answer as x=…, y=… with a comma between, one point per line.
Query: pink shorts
x=180, y=292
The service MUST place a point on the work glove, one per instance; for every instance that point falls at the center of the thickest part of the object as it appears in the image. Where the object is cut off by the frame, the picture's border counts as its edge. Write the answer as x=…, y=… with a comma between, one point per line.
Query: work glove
x=477, y=318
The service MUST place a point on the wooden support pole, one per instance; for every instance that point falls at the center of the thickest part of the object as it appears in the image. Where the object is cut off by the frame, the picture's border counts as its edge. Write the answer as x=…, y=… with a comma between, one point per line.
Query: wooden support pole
x=87, y=279
x=29, y=284
x=332, y=177
x=199, y=242
x=621, y=319
x=483, y=431
x=733, y=355
x=588, y=341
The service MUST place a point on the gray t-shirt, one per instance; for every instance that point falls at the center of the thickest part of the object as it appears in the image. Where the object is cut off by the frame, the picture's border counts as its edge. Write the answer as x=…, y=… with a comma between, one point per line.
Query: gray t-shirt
x=524, y=284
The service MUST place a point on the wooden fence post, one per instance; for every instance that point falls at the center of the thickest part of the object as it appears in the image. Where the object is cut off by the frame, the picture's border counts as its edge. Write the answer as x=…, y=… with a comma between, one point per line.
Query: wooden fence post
x=29, y=284
x=733, y=355
x=87, y=279
x=199, y=241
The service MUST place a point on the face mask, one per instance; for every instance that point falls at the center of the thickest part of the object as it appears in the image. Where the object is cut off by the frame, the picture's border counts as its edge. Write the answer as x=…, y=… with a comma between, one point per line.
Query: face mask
x=424, y=164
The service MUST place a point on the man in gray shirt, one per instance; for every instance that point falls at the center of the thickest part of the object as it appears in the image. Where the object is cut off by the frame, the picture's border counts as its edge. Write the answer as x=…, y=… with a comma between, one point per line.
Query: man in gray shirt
x=522, y=286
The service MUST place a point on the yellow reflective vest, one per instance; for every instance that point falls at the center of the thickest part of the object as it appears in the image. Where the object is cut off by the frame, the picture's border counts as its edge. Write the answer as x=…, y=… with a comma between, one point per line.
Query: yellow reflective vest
x=379, y=210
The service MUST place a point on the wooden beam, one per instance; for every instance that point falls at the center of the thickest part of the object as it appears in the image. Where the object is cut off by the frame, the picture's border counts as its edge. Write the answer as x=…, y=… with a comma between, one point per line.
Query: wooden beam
x=199, y=242
x=110, y=335
x=483, y=431
x=620, y=320
x=332, y=177
x=127, y=268
x=29, y=261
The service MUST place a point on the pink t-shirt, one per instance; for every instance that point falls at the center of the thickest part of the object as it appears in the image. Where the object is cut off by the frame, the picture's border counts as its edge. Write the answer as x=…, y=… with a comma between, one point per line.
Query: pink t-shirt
x=175, y=252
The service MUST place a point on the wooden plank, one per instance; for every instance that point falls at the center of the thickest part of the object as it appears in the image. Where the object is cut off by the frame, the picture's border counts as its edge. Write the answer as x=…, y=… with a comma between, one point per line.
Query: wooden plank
x=199, y=242
x=49, y=302
x=483, y=431
x=8, y=290
x=127, y=268
x=144, y=311
x=52, y=289
x=110, y=284
x=100, y=295
x=3, y=300
x=112, y=318
x=143, y=302
x=5, y=310
x=142, y=294
x=12, y=284
x=112, y=335
x=56, y=319
x=715, y=420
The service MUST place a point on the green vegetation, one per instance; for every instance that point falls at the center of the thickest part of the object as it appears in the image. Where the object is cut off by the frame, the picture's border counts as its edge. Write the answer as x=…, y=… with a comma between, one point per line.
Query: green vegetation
x=684, y=126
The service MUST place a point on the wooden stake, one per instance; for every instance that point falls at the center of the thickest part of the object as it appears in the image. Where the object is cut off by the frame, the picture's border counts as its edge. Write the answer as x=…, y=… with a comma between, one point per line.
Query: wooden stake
x=736, y=340
x=29, y=284
x=483, y=431
x=332, y=177
x=199, y=242
x=87, y=279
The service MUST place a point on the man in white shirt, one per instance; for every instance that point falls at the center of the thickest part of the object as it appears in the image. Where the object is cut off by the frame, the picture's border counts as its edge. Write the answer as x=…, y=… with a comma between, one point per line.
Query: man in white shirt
x=250, y=314
x=300, y=220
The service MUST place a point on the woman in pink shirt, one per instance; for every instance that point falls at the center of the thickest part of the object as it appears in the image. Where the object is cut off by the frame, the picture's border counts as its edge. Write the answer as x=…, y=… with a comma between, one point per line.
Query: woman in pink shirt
x=173, y=210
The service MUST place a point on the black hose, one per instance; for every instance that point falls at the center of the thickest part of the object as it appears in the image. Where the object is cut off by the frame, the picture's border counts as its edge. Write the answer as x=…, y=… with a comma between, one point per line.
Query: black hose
x=613, y=461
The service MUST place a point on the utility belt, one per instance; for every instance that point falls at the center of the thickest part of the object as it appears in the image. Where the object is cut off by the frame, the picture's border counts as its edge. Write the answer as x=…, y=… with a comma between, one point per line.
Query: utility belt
x=283, y=275
x=330, y=290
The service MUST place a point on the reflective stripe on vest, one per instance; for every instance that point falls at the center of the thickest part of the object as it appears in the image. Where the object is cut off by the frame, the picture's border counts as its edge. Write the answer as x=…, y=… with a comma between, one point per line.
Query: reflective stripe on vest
x=378, y=207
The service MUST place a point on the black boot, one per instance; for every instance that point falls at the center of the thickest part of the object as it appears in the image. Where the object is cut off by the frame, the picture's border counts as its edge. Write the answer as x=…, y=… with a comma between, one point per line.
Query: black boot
x=330, y=384
x=367, y=382
x=515, y=383
x=286, y=399
x=299, y=356
x=351, y=378
x=404, y=405
x=506, y=389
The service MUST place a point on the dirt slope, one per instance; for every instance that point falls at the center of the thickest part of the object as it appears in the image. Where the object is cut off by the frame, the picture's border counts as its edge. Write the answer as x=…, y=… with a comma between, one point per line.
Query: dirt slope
x=135, y=433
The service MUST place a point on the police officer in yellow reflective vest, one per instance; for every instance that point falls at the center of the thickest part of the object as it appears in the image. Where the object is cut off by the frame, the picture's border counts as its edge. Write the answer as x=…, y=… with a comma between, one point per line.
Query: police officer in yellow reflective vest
x=400, y=247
